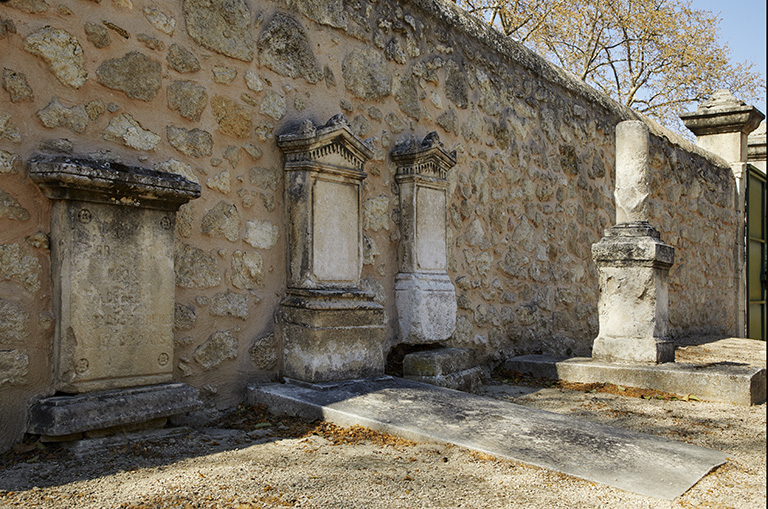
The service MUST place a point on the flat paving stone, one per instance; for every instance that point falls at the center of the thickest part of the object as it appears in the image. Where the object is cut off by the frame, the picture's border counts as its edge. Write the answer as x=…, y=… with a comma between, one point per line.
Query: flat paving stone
x=724, y=381
x=631, y=461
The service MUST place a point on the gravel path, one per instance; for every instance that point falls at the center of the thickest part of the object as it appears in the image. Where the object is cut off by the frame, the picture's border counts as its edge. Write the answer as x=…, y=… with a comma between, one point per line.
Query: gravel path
x=253, y=459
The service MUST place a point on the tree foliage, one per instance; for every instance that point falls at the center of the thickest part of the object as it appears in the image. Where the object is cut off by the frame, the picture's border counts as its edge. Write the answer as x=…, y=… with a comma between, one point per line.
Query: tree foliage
x=659, y=57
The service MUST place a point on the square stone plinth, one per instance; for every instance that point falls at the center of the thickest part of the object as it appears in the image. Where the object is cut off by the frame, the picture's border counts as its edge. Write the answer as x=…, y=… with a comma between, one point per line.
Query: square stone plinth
x=633, y=269
x=331, y=335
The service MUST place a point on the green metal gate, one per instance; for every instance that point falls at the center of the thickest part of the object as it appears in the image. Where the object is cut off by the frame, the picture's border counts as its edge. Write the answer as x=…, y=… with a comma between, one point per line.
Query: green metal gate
x=757, y=254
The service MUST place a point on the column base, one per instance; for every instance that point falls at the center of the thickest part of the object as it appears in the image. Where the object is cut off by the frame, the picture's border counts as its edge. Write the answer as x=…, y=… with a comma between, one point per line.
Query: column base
x=633, y=350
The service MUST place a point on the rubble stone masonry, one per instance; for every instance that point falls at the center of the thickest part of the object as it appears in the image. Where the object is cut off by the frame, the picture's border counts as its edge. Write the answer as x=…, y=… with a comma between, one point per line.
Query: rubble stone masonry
x=204, y=88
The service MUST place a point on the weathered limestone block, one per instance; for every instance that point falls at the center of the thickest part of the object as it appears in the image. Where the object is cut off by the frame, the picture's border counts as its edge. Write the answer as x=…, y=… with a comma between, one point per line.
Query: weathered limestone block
x=284, y=48
x=55, y=114
x=247, y=270
x=30, y=6
x=8, y=129
x=261, y=234
x=191, y=142
x=233, y=119
x=633, y=267
x=366, y=75
x=424, y=295
x=188, y=98
x=426, y=307
x=67, y=415
x=10, y=208
x=194, y=268
x=331, y=335
x=180, y=59
x=331, y=329
x=112, y=255
x=223, y=220
x=264, y=352
x=221, y=25
x=150, y=42
x=325, y=12
x=139, y=76
x=97, y=35
x=7, y=162
x=454, y=368
x=224, y=75
x=230, y=304
x=273, y=105
x=219, y=347
x=124, y=128
x=14, y=367
x=61, y=52
x=15, y=83
x=160, y=20
x=13, y=322
x=220, y=182
x=184, y=317
x=20, y=266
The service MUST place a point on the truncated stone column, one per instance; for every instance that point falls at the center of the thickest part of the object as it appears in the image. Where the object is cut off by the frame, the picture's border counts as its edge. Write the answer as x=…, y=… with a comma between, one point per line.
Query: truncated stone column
x=112, y=241
x=633, y=264
x=332, y=330
x=424, y=295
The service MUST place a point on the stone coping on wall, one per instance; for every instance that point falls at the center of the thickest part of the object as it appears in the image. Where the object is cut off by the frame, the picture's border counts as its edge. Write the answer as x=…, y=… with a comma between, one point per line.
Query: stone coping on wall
x=451, y=15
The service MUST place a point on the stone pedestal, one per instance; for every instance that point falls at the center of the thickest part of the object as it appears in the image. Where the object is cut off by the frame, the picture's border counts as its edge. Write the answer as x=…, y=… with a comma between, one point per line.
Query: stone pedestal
x=633, y=266
x=424, y=295
x=112, y=238
x=331, y=329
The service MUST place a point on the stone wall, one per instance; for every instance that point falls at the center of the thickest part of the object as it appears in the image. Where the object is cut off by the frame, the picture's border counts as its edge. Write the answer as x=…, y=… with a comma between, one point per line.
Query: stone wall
x=203, y=88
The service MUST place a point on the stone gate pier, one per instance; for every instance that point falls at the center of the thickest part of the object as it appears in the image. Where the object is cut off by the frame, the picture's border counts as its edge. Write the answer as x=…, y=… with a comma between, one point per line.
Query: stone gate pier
x=112, y=242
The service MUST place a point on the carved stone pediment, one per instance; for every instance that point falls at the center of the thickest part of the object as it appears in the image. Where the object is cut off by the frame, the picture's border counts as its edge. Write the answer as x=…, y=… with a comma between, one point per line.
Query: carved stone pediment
x=331, y=146
x=428, y=158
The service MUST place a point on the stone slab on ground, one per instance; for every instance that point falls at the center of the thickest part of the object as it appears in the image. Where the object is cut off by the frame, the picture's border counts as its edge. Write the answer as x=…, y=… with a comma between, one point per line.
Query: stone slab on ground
x=627, y=460
x=67, y=415
x=725, y=381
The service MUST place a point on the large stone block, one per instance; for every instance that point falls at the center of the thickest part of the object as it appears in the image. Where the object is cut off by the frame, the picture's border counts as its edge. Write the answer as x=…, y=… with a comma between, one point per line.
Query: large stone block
x=426, y=307
x=67, y=415
x=633, y=266
x=332, y=336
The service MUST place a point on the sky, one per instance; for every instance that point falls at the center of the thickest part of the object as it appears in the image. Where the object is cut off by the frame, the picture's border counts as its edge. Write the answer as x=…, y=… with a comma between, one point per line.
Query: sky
x=742, y=27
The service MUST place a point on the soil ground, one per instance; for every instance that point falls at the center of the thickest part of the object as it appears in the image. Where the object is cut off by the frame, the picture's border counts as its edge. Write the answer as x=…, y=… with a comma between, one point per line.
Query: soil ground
x=249, y=458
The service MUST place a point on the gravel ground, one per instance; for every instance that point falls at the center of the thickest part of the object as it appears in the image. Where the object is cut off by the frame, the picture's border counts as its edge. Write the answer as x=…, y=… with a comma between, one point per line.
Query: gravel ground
x=250, y=458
